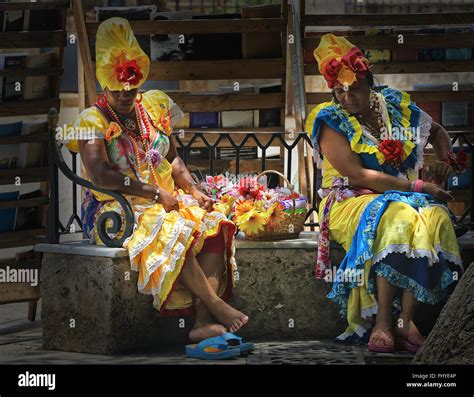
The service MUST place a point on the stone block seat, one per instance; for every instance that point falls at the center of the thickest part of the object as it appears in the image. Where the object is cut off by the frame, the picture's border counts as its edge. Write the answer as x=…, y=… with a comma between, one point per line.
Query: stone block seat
x=91, y=303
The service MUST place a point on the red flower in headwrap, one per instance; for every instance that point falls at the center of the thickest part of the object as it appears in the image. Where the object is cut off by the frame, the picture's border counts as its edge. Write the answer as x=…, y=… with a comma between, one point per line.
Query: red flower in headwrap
x=331, y=72
x=355, y=60
x=129, y=72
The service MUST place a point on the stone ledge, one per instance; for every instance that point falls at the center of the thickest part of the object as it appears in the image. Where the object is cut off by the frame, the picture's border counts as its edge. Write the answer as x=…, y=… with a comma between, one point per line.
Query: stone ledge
x=81, y=247
x=306, y=240
x=275, y=287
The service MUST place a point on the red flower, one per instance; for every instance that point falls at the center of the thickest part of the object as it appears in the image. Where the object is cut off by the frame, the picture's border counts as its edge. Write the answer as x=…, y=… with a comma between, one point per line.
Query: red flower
x=392, y=150
x=292, y=196
x=461, y=159
x=249, y=188
x=331, y=71
x=129, y=72
x=355, y=60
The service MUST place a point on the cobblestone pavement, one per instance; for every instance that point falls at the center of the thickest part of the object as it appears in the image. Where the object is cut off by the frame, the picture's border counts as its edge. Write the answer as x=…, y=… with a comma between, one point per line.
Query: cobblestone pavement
x=20, y=343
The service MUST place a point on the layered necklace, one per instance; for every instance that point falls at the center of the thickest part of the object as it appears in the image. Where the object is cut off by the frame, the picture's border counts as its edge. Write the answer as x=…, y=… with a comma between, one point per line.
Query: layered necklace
x=380, y=127
x=129, y=127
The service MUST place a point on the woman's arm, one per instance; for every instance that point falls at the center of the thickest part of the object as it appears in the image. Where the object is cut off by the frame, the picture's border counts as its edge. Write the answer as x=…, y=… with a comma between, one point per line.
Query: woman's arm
x=339, y=153
x=96, y=162
x=441, y=142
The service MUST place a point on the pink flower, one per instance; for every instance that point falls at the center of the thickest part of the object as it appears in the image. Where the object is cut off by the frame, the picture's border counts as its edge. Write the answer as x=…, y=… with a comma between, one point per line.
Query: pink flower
x=155, y=157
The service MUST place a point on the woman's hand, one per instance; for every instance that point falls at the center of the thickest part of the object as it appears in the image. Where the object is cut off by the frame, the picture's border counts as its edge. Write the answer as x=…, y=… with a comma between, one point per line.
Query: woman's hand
x=438, y=193
x=441, y=172
x=205, y=202
x=168, y=201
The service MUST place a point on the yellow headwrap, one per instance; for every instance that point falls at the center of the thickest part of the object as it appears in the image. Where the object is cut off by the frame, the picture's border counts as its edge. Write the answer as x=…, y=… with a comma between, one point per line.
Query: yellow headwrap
x=340, y=61
x=120, y=62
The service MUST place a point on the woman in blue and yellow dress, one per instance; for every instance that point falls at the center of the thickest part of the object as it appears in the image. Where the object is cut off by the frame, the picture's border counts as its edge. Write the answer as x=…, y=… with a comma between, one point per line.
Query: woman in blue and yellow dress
x=400, y=243
x=182, y=249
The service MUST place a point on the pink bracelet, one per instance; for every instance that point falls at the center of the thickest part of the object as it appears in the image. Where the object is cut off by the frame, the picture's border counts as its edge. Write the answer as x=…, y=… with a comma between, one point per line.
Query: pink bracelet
x=418, y=186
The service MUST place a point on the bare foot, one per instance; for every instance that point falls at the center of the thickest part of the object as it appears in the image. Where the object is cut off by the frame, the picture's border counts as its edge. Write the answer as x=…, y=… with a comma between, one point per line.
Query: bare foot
x=203, y=331
x=228, y=316
x=382, y=335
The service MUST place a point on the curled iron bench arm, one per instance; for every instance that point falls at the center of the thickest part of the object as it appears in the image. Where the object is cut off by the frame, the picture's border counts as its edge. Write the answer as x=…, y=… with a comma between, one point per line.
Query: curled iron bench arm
x=104, y=217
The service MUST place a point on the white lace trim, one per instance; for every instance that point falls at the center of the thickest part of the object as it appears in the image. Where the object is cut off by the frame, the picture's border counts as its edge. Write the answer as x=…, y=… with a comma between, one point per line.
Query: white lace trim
x=140, y=246
x=211, y=220
x=175, y=256
x=369, y=311
x=360, y=331
x=169, y=268
x=154, y=262
x=416, y=253
x=407, y=250
x=424, y=124
x=449, y=256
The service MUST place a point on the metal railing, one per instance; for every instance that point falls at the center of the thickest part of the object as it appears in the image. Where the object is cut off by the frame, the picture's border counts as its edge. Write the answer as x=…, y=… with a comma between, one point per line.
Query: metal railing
x=55, y=227
x=462, y=137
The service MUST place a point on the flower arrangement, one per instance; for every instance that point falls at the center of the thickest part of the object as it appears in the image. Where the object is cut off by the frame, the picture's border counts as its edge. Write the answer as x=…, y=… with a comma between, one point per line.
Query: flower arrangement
x=254, y=207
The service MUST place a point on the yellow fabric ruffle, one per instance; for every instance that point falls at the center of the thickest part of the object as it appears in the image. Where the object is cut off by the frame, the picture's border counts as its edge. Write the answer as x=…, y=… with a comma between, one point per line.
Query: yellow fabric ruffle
x=159, y=244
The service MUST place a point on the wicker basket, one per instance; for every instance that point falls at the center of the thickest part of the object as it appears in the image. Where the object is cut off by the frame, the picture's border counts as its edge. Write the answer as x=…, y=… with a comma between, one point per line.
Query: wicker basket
x=293, y=221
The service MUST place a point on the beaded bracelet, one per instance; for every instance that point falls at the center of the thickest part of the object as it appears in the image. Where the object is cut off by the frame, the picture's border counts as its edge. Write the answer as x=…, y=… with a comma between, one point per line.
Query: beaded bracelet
x=157, y=195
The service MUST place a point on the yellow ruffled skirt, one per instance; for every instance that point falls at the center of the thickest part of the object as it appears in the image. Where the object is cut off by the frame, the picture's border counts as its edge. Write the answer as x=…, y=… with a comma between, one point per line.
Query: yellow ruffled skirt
x=160, y=243
x=413, y=249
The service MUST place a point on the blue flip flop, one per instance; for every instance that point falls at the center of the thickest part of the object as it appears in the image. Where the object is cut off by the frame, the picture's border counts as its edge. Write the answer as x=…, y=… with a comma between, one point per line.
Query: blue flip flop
x=235, y=342
x=212, y=349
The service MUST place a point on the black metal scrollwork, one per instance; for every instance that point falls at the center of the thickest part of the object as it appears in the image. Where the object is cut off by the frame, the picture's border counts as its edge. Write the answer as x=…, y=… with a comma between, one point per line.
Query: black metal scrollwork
x=104, y=217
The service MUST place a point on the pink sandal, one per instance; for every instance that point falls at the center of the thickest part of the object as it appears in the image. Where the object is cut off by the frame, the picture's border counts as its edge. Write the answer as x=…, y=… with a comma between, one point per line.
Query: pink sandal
x=403, y=343
x=385, y=348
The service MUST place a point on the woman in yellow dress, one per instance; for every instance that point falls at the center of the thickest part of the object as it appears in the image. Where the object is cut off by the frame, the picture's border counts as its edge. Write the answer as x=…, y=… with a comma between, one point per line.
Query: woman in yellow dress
x=182, y=249
x=400, y=242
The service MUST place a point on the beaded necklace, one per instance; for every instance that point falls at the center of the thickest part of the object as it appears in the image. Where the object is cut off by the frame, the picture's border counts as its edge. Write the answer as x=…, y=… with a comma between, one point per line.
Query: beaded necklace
x=374, y=105
x=144, y=132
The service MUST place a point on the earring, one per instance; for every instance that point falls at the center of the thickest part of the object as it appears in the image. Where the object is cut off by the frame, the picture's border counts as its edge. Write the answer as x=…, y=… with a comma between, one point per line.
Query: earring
x=102, y=100
x=139, y=97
